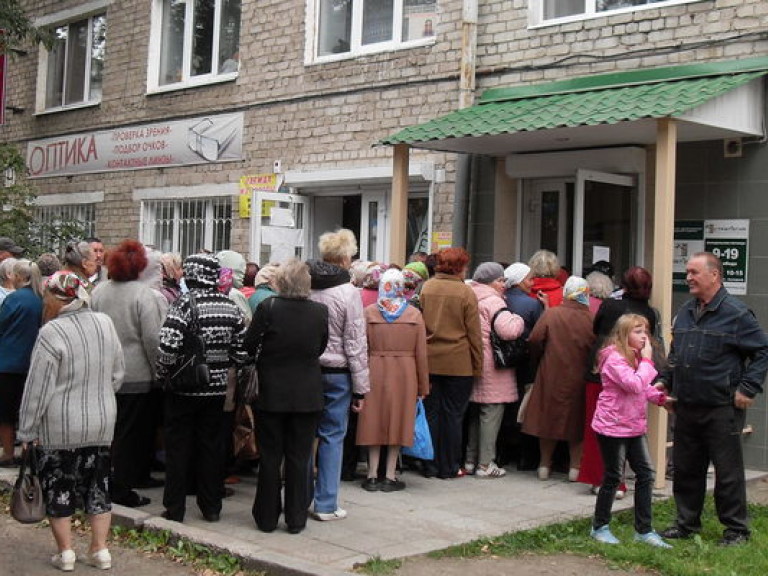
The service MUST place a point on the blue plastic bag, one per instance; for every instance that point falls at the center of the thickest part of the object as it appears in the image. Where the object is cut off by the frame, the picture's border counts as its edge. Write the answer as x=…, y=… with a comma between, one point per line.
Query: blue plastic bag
x=422, y=440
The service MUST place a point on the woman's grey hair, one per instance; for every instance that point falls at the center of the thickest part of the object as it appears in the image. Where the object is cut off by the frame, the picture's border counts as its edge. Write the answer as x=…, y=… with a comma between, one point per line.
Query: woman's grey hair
x=544, y=264
x=29, y=274
x=6, y=267
x=600, y=285
x=292, y=279
x=76, y=252
x=48, y=264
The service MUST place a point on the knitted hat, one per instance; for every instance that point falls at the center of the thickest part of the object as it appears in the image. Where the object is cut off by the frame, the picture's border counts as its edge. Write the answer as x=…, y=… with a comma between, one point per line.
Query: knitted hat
x=420, y=268
x=488, y=272
x=516, y=273
x=201, y=271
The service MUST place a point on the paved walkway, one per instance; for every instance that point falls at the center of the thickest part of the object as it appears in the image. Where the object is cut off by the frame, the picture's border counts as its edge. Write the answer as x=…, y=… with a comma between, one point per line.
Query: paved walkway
x=430, y=514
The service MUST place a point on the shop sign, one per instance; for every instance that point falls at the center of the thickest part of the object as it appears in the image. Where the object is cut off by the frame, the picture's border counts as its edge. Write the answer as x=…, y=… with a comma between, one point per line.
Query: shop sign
x=199, y=140
x=441, y=240
x=268, y=182
x=726, y=239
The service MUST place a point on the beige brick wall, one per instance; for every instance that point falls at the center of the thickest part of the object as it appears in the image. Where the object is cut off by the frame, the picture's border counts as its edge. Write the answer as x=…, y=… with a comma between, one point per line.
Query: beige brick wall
x=329, y=115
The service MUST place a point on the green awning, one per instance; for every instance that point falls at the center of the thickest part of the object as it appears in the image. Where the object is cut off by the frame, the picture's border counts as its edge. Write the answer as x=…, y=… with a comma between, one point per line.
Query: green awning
x=590, y=101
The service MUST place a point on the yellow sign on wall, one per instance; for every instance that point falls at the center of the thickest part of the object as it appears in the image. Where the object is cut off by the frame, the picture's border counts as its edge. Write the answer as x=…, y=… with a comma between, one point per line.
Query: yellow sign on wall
x=252, y=183
x=441, y=240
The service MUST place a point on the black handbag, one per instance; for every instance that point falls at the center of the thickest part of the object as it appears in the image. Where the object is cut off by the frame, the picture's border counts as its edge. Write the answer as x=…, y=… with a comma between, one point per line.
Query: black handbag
x=506, y=353
x=27, y=503
x=191, y=373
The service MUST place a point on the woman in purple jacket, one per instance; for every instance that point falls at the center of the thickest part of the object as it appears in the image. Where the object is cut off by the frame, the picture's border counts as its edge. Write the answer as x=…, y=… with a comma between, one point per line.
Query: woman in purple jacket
x=620, y=422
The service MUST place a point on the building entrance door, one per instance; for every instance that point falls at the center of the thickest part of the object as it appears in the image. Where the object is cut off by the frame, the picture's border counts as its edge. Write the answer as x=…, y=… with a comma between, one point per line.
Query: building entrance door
x=279, y=228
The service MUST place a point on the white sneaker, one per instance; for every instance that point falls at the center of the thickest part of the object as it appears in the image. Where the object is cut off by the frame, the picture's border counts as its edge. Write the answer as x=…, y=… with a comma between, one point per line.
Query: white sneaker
x=573, y=475
x=543, y=472
x=100, y=559
x=490, y=471
x=620, y=494
x=338, y=514
x=64, y=560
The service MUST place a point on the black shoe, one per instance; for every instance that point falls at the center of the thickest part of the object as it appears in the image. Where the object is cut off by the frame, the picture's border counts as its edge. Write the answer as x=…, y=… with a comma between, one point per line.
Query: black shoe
x=131, y=500
x=211, y=516
x=295, y=529
x=733, y=538
x=151, y=483
x=429, y=470
x=675, y=533
x=168, y=516
x=388, y=485
x=371, y=485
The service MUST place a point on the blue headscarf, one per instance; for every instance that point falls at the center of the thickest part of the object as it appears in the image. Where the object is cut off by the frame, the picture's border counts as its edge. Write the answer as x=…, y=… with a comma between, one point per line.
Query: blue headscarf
x=576, y=288
x=392, y=301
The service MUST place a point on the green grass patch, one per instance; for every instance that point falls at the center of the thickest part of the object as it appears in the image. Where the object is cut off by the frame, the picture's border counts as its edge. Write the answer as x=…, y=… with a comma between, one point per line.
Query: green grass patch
x=376, y=566
x=695, y=557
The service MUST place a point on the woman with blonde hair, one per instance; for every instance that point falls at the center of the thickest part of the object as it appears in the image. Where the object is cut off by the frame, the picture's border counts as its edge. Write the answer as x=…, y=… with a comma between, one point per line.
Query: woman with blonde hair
x=545, y=268
x=20, y=319
x=344, y=364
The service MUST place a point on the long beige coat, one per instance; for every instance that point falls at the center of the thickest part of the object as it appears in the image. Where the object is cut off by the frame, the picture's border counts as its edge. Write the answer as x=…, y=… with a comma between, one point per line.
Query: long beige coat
x=562, y=339
x=397, y=360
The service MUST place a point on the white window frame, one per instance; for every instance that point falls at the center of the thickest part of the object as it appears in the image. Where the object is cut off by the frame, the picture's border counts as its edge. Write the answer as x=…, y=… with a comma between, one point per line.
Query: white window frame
x=60, y=18
x=536, y=11
x=356, y=47
x=75, y=206
x=155, y=47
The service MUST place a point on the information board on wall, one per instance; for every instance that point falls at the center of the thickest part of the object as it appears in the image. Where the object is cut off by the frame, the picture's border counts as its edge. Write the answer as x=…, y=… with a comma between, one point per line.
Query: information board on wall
x=726, y=239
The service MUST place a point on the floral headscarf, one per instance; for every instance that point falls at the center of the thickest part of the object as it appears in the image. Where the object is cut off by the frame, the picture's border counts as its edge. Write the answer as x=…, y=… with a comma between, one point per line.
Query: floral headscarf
x=392, y=301
x=373, y=276
x=67, y=286
x=576, y=288
x=412, y=280
x=226, y=280
x=357, y=271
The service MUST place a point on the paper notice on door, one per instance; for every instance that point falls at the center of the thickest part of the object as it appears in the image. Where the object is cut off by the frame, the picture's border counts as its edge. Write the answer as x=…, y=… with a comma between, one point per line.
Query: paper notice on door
x=601, y=253
x=282, y=217
x=282, y=242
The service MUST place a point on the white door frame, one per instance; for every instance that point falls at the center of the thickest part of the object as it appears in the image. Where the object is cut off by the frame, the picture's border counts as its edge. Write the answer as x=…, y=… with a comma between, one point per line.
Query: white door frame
x=381, y=199
x=583, y=176
x=531, y=212
x=257, y=228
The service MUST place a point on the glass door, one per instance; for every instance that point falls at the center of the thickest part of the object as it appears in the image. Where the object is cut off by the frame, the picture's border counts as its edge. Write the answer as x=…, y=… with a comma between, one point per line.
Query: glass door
x=373, y=226
x=547, y=218
x=606, y=221
x=278, y=227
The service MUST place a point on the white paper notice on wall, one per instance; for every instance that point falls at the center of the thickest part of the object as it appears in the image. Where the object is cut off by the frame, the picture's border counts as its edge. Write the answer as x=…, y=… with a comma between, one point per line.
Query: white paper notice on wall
x=282, y=217
x=601, y=253
x=282, y=242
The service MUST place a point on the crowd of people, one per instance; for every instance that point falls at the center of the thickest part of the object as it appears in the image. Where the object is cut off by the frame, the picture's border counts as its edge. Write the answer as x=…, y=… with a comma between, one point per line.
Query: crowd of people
x=91, y=345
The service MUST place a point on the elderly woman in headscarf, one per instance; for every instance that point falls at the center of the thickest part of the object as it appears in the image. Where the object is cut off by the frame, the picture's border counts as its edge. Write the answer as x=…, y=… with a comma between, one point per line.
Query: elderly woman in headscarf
x=263, y=283
x=236, y=263
x=135, y=310
x=397, y=357
x=170, y=264
x=369, y=291
x=561, y=341
x=77, y=366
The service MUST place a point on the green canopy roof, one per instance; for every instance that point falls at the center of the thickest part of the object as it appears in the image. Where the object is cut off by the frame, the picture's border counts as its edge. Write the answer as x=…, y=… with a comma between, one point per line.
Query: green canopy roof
x=589, y=101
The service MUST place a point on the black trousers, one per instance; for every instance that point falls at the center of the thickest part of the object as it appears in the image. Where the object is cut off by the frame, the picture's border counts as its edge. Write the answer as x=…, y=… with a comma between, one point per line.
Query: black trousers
x=705, y=434
x=284, y=436
x=133, y=442
x=193, y=442
x=445, y=407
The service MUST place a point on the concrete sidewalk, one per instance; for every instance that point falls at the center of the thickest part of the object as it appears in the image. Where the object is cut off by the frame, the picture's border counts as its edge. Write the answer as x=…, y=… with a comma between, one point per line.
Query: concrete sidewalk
x=430, y=514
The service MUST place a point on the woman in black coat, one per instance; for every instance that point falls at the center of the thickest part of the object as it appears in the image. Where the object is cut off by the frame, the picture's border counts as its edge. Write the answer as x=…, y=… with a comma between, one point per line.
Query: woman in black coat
x=291, y=333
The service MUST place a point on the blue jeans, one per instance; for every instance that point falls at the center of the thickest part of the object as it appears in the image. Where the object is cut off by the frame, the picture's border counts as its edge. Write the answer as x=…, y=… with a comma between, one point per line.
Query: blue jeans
x=337, y=392
x=616, y=451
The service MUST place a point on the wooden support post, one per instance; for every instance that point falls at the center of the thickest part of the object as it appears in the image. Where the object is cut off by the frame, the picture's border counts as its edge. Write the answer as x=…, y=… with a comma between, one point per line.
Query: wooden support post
x=398, y=210
x=663, y=248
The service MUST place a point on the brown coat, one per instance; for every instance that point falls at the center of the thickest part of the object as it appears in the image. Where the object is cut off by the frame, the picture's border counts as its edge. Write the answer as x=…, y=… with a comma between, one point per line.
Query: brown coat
x=562, y=339
x=453, y=327
x=397, y=360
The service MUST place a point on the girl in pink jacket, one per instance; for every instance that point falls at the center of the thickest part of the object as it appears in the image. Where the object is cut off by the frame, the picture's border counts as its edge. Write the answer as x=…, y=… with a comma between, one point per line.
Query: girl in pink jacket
x=620, y=422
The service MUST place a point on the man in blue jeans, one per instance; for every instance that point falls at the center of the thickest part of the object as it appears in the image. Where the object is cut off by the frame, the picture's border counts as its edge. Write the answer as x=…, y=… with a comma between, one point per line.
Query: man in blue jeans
x=717, y=364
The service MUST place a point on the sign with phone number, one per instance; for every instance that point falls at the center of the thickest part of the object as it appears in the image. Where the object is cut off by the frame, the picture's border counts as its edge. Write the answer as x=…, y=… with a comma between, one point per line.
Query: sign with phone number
x=726, y=239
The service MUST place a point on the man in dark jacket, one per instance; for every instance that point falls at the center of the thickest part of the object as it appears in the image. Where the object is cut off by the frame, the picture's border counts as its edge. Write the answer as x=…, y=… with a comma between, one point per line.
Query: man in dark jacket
x=718, y=361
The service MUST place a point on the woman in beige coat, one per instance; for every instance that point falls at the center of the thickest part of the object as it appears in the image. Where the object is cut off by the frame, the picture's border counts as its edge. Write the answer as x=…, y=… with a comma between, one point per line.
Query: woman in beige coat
x=397, y=360
x=562, y=339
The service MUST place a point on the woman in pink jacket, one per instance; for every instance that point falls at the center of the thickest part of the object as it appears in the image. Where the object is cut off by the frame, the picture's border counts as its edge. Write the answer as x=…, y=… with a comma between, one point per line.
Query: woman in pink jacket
x=495, y=388
x=620, y=423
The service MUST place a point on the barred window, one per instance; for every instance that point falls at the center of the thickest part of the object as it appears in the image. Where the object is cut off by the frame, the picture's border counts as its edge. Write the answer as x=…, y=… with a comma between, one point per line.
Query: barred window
x=57, y=224
x=187, y=226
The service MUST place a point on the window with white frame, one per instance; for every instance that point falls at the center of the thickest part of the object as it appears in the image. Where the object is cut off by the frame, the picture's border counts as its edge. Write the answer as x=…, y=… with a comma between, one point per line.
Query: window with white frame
x=57, y=223
x=194, y=42
x=352, y=27
x=187, y=226
x=74, y=65
x=555, y=10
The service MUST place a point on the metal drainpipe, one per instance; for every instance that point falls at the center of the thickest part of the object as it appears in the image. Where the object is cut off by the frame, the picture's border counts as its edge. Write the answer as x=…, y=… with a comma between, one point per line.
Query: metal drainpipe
x=466, y=98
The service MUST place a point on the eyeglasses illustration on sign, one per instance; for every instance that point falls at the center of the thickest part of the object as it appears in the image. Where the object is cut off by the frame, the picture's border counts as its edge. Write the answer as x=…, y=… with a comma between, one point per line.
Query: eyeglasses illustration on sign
x=209, y=139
